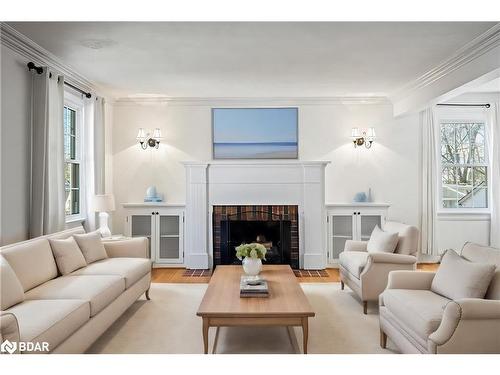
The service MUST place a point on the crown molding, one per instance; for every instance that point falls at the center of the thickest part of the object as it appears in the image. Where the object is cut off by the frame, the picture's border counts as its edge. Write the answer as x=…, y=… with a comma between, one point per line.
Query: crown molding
x=27, y=48
x=465, y=55
x=261, y=101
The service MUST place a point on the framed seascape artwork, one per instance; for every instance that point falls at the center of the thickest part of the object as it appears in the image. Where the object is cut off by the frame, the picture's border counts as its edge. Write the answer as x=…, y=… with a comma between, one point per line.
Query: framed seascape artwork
x=255, y=133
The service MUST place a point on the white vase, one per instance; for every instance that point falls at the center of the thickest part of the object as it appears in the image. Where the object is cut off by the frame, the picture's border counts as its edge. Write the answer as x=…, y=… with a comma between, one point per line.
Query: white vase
x=252, y=266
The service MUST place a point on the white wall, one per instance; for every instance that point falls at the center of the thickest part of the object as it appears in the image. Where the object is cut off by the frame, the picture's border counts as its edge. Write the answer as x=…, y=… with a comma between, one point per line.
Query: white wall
x=15, y=147
x=390, y=168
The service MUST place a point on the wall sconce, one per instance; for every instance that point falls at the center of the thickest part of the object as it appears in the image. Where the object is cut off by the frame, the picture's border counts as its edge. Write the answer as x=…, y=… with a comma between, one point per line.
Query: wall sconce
x=145, y=139
x=365, y=137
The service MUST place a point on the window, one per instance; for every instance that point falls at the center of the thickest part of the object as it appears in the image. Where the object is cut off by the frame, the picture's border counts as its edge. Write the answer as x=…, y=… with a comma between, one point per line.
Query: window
x=464, y=164
x=73, y=163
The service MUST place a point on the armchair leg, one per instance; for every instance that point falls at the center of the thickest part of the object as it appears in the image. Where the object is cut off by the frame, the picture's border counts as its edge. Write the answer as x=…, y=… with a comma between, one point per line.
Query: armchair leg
x=365, y=307
x=341, y=285
x=147, y=295
x=383, y=339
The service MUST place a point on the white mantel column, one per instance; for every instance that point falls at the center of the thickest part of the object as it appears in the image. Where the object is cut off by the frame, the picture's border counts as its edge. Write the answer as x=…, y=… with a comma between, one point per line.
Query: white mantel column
x=196, y=228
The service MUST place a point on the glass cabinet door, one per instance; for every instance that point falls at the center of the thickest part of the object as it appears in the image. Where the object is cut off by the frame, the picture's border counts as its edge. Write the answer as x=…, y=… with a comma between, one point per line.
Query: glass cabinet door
x=341, y=230
x=170, y=249
x=367, y=223
x=142, y=226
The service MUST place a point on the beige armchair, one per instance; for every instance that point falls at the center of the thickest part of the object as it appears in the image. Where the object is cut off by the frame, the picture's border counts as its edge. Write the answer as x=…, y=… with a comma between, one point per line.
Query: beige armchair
x=418, y=320
x=366, y=273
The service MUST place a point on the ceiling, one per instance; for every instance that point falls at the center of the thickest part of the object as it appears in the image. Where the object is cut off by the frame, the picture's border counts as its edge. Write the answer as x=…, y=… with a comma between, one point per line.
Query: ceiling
x=491, y=86
x=194, y=59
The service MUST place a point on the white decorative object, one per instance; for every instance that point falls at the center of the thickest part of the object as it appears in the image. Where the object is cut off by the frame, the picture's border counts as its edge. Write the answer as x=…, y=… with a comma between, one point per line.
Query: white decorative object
x=103, y=204
x=252, y=266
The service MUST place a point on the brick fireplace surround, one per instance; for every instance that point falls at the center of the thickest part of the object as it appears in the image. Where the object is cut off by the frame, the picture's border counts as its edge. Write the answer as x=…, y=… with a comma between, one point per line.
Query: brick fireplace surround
x=256, y=213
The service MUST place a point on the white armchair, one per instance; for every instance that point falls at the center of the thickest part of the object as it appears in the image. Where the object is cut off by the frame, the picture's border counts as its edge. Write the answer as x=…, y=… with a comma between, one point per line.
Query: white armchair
x=438, y=324
x=366, y=273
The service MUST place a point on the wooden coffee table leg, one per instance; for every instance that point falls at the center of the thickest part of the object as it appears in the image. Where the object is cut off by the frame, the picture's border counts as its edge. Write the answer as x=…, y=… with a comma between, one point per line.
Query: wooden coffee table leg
x=305, y=333
x=205, y=335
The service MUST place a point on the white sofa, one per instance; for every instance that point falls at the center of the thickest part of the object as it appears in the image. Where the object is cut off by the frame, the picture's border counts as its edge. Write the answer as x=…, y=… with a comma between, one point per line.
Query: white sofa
x=68, y=312
x=418, y=320
x=366, y=273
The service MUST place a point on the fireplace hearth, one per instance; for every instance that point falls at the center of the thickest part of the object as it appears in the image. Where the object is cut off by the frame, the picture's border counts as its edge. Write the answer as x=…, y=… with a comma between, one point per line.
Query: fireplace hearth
x=275, y=227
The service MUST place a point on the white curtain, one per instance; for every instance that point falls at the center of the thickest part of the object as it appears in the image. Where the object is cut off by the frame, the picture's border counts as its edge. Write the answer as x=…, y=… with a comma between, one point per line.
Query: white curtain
x=494, y=149
x=429, y=175
x=47, y=154
x=94, y=156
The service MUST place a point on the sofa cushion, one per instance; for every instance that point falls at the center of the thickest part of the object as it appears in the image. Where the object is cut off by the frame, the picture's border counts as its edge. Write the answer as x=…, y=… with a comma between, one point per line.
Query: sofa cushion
x=353, y=261
x=381, y=241
x=99, y=290
x=131, y=269
x=408, y=236
x=420, y=310
x=91, y=246
x=11, y=290
x=68, y=255
x=458, y=278
x=50, y=321
x=32, y=261
x=485, y=254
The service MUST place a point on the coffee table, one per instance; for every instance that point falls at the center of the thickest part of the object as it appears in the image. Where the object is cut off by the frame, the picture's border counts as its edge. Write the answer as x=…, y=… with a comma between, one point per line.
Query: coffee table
x=287, y=305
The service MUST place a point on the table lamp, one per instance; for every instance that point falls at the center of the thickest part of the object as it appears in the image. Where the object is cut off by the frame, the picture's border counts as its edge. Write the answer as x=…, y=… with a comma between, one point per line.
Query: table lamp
x=103, y=204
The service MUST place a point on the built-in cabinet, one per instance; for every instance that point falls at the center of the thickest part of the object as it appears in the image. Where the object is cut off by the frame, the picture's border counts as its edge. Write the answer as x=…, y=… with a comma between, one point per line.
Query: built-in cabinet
x=352, y=222
x=163, y=225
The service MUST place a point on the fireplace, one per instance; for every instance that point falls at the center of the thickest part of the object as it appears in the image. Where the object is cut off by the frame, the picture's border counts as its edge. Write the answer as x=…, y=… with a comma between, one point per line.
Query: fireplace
x=275, y=227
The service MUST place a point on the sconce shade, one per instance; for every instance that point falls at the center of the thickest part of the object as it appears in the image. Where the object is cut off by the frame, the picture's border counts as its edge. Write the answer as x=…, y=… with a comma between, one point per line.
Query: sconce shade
x=103, y=203
x=141, y=135
x=355, y=133
x=370, y=134
x=157, y=134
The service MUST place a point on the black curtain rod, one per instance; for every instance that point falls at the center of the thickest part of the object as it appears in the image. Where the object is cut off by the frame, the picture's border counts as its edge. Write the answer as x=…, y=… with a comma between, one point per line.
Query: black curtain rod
x=486, y=105
x=39, y=70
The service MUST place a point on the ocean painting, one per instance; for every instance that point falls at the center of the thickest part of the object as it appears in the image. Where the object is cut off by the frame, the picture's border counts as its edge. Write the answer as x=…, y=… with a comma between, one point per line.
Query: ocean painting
x=255, y=133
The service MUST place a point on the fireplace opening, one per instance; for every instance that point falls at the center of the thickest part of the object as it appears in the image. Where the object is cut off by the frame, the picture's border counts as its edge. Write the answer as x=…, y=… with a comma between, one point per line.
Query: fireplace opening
x=275, y=227
x=273, y=235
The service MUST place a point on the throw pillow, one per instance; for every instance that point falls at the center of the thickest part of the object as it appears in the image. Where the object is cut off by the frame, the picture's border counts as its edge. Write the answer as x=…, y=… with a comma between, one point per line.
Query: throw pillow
x=458, y=278
x=91, y=246
x=68, y=255
x=382, y=242
x=11, y=290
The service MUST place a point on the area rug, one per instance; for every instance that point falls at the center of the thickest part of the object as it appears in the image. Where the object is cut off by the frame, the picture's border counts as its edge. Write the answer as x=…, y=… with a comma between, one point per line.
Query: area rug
x=168, y=324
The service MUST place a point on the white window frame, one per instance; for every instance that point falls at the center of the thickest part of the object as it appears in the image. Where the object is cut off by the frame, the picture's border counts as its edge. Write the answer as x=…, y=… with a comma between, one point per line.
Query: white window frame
x=76, y=103
x=462, y=114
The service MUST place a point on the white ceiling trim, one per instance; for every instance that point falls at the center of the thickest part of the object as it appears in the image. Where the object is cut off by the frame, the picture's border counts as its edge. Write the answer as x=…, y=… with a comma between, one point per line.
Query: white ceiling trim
x=261, y=101
x=26, y=47
x=465, y=55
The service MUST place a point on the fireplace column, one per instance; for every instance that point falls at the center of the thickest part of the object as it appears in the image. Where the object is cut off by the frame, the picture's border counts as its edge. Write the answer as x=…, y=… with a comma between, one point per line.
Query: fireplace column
x=196, y=228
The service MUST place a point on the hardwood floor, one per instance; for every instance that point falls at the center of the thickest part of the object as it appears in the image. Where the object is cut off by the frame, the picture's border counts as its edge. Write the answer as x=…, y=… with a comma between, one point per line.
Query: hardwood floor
x=177, y=275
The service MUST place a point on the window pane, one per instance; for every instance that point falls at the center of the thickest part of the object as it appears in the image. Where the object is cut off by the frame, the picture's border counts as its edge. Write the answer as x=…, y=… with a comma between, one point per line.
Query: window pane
x=480, y=176
x=447, y=143
x=462, y=143
x=449, y=196
x=72, y=187
x=449, y=176
x=480, y=198
x=477, y=143
x=69, y=133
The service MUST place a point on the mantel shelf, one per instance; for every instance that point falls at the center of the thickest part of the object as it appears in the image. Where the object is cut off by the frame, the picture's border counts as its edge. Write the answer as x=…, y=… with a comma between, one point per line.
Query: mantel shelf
x=152, y=204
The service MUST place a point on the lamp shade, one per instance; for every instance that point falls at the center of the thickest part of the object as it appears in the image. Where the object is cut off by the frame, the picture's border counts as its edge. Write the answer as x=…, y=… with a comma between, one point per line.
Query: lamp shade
x=355, y=133
x=370, y=133
x=103, y=203
x=141, y=135
x=157, y=134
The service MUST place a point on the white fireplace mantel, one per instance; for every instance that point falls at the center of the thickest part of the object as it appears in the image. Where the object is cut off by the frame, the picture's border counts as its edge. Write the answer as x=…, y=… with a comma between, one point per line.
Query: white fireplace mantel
x=300, y=183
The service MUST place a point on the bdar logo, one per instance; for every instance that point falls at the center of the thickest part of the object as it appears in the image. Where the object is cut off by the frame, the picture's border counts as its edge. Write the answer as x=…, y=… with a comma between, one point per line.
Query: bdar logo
x=8, y=347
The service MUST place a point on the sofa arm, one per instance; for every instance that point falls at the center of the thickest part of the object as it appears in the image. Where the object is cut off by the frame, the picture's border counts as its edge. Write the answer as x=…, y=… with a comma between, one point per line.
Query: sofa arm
x=9, y=328
x=469, y=325
x=137, y=247
x=391, y=258
x=351, y=245
x=414, y=280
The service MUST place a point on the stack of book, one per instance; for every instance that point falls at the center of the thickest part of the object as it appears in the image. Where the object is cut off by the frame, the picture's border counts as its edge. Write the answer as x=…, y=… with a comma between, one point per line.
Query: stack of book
x=252, y=287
